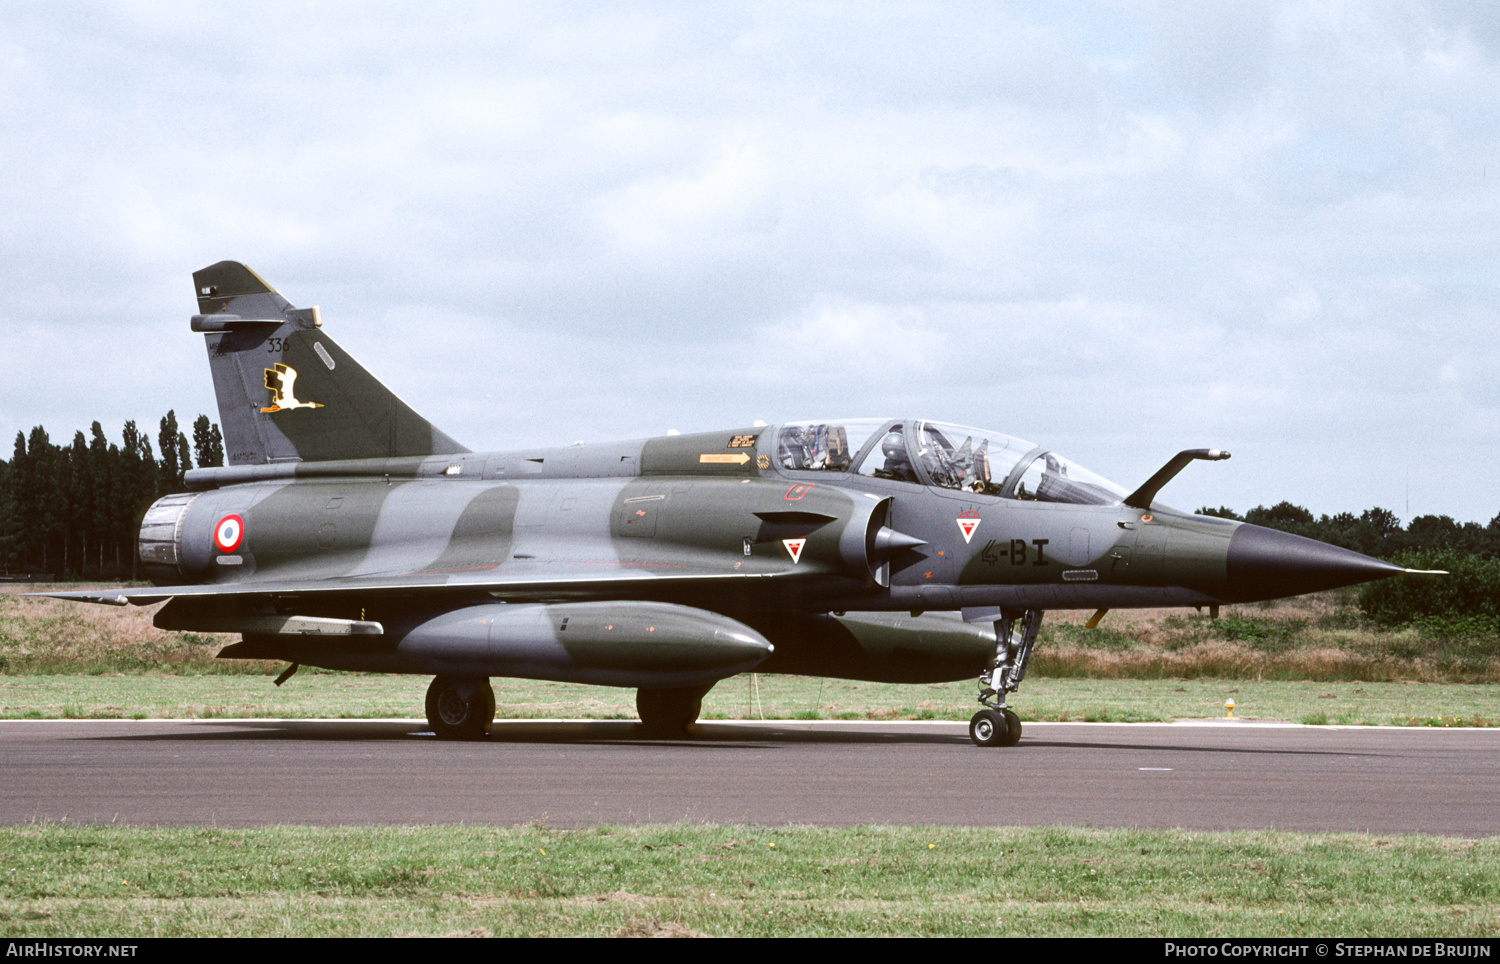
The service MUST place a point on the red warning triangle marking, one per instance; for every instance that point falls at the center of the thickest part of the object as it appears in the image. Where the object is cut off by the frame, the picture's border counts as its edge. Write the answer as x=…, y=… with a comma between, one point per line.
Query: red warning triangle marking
x=794, y=546
x=967, y=523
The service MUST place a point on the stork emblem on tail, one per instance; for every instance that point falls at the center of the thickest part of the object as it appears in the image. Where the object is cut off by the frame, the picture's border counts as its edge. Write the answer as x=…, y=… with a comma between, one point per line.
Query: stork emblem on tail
x=280, y=379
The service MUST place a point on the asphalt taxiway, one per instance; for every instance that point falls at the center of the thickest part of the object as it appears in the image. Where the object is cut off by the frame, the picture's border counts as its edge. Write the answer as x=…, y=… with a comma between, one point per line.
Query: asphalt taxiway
x=1208, y=776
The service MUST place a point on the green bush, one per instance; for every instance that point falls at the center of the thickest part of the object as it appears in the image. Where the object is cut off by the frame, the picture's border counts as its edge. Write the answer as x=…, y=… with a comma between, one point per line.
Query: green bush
x=1465, y=600
x=1261, y=634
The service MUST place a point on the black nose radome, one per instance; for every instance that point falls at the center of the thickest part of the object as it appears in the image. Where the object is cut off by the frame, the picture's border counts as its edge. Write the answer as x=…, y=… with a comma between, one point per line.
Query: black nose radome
x=1267, y=564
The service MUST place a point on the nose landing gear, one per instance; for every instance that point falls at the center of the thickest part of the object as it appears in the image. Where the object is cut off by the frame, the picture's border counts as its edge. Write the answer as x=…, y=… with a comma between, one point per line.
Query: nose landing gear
x=1015, y=634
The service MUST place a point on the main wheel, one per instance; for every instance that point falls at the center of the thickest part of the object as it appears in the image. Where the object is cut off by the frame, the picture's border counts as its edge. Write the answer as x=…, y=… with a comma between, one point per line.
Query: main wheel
x=988, y=728
x=668, y=713
x=1012, y=729
x=459, y=708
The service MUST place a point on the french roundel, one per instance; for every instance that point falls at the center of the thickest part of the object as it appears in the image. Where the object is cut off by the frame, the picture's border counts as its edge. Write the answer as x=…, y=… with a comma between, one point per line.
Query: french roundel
x=229, y=533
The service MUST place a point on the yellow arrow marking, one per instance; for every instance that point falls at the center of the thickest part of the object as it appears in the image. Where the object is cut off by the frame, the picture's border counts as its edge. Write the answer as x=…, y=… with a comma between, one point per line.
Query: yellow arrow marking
x=739, y=458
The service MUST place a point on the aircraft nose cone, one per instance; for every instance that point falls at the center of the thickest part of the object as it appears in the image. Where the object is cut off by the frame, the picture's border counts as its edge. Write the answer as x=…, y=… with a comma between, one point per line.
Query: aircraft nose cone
x=1268, y=564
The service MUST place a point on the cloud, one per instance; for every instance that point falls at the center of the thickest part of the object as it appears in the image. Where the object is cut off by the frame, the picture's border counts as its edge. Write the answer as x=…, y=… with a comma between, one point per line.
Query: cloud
x=1118, y=229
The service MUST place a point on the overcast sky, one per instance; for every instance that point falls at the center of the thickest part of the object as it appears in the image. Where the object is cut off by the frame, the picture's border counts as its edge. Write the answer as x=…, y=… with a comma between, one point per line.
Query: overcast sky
x=1118, y=230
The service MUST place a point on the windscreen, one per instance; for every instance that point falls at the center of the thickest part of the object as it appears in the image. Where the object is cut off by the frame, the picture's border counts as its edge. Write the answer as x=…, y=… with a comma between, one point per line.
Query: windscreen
x=1051, y=478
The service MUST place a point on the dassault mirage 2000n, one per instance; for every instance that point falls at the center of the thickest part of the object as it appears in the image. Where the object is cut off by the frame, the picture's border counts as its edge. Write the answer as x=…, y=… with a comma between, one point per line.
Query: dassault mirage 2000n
x=348, y=532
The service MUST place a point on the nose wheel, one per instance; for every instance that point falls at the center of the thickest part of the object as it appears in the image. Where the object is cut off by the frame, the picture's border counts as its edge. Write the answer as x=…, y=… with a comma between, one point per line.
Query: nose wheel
x=1015, y=634
x=995, y=728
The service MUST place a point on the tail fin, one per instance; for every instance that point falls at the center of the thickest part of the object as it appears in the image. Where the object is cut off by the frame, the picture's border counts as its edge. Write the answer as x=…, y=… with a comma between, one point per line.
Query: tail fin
x=286, y=390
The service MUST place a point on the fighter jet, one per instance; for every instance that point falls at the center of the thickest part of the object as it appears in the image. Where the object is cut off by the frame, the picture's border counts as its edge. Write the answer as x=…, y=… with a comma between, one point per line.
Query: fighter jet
x=348, y=532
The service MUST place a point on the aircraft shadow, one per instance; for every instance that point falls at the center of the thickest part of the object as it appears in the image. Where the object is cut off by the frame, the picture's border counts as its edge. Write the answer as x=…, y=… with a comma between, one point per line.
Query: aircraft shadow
x=712, y=734
x=602, y=732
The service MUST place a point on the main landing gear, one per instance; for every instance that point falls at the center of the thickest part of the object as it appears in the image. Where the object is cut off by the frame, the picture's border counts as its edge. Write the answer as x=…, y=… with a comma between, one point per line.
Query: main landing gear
x=1015, y=634
x=668, y=713
x=460, y=707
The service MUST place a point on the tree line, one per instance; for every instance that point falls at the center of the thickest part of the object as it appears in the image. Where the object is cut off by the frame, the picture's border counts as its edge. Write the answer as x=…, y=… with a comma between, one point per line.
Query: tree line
x=1376, y=532
x=74, y=511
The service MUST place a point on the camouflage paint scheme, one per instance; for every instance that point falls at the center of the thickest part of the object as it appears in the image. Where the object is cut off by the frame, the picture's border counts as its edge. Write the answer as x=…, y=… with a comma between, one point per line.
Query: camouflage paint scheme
x=347, y=531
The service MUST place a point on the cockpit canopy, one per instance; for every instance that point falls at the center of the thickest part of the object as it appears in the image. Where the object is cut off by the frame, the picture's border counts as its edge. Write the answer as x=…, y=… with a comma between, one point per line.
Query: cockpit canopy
x=942, y=455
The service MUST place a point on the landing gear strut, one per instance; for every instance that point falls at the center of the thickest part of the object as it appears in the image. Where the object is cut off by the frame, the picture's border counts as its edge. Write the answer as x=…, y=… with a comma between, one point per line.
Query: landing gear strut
x=668, y=713
x=460, y=708
x=1015, y=634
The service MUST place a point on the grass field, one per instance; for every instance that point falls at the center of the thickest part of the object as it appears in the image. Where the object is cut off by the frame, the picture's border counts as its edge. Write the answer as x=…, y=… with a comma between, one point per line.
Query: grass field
x=740, y=881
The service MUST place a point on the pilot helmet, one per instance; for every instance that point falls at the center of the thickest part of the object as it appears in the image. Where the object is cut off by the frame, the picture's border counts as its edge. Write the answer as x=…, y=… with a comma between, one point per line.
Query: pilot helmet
x=893, y=447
